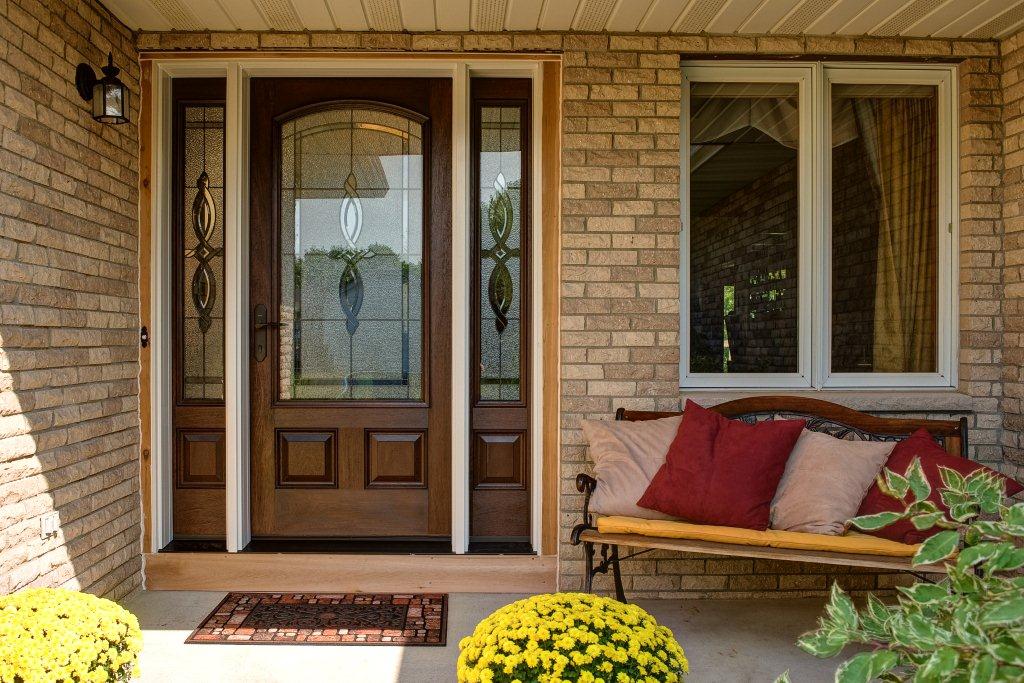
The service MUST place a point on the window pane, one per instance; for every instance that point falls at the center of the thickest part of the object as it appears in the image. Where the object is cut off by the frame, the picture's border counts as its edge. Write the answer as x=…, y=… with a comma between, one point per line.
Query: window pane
x=351, y=256
x=744, y=227
x=884, y=228
x=202, y=266
x=500, y=235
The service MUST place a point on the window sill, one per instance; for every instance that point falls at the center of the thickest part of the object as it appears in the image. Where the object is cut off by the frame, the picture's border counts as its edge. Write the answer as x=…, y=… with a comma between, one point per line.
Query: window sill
x=867, y=400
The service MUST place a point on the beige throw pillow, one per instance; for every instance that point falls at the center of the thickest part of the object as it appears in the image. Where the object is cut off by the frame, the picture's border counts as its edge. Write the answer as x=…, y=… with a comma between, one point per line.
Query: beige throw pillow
x=626, y=457
x=825, y=481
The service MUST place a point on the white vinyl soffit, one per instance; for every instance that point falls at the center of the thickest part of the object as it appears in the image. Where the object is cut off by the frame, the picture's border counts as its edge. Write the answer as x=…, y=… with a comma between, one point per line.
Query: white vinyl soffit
x=883, y=18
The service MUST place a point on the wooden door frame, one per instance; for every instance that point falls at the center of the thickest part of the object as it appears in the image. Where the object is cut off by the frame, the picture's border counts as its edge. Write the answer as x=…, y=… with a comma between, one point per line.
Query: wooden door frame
x=238, y=68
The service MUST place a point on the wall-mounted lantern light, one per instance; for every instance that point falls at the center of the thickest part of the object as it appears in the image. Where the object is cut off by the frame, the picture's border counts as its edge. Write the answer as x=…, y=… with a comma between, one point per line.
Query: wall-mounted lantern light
x=108, y=95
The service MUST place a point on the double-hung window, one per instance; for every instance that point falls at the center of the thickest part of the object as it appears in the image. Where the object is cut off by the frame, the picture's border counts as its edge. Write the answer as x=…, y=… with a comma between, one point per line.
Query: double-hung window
x=818, y=226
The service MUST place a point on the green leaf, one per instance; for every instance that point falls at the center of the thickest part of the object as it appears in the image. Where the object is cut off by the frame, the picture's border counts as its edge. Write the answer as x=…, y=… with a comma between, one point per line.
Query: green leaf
x=1007, y=654
x=983, y=669
x=1014, y=514
x=1008, y=561
x=976, y=554
x=822, y=643
x=855, y=670
x=1009, y=674
x=866, y=666
x=893, y=485
x=876, y=521
x=951, y=479
x=925, y=593
x=962, y=512
x=927, y=521
x=783, y=678
x=841, y=609
x=937, y=548
x=919, y=485
x=1004, y=613
x=938, y=667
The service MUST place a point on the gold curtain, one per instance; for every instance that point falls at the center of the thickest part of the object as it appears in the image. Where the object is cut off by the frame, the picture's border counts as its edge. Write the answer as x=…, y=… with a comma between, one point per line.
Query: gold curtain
x=900, y=137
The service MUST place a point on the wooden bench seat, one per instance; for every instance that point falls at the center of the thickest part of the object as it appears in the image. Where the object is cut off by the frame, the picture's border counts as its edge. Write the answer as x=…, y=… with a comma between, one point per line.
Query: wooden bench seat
x=821, y=416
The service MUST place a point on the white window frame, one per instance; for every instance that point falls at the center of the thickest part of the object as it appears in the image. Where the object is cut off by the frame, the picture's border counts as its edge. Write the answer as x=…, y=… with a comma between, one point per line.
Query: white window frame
x=814, y=226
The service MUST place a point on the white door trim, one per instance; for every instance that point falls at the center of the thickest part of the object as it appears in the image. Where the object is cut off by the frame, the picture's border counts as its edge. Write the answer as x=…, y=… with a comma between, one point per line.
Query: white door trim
x=238, y=71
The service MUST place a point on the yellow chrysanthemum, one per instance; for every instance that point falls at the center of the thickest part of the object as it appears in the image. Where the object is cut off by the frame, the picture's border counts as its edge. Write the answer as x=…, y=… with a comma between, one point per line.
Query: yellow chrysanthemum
x=570, y=638
x=53, y=634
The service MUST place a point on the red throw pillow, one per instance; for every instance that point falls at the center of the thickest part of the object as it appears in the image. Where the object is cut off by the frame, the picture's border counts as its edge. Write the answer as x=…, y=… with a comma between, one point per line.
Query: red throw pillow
x=722, y=471
x=919, y=445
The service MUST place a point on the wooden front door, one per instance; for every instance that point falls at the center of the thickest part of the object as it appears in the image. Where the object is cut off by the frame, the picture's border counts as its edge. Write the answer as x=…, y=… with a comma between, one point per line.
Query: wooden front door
x=350, y=307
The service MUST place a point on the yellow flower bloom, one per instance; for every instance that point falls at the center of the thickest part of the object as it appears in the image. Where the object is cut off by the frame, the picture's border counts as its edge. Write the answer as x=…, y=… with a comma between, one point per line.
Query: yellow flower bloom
x=51, y=634
x=570, y=638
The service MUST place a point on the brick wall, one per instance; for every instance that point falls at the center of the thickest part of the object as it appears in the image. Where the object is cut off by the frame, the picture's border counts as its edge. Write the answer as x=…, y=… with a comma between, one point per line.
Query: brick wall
x=1012, y=348
x=620, y=345
x=620, y=258
x=68, y=305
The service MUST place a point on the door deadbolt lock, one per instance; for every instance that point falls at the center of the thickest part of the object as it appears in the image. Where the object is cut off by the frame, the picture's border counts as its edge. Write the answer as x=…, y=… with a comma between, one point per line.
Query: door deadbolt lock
x=260, y=338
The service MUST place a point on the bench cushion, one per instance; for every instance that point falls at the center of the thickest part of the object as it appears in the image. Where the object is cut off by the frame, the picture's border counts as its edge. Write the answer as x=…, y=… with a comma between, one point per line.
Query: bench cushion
x=795, y=540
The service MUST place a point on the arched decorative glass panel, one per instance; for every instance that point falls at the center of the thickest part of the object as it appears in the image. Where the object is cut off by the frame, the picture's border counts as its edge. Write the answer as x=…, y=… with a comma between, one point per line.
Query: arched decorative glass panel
x=351, y=276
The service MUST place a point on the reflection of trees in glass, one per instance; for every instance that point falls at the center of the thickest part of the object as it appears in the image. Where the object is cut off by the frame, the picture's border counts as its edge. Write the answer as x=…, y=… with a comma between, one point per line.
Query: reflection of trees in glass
x=351, y=290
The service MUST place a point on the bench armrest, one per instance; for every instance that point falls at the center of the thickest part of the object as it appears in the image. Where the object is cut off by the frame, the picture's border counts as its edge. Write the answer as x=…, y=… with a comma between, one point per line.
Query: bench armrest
x=585, y=484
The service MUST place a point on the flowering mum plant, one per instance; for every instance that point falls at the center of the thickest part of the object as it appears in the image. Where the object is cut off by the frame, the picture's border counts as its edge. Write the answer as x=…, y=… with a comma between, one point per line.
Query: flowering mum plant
x=53, y=634
x=570, y=638
x=969, y=626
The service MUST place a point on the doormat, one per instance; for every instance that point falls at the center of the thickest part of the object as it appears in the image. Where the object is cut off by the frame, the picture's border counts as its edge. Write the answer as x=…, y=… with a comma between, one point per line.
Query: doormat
x=326, y=619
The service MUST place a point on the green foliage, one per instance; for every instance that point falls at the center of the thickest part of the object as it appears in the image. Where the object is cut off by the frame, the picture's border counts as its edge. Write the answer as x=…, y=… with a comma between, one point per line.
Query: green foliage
x=968, y=627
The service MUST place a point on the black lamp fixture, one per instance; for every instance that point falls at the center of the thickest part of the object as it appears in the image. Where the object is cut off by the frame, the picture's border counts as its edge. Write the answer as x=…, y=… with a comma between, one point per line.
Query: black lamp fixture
x=108, y=95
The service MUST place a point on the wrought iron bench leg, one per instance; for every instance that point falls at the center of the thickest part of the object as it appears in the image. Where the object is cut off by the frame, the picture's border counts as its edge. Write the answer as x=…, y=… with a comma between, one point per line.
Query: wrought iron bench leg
x=589, y=570
x=620, y=594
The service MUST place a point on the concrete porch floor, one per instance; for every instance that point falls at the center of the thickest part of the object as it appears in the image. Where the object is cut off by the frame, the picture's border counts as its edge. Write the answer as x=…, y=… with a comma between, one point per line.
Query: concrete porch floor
x=742, y=640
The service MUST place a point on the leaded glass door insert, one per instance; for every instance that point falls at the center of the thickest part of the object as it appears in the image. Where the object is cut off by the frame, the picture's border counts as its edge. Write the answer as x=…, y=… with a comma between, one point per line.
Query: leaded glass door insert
x=500, y=197
x=351, y=303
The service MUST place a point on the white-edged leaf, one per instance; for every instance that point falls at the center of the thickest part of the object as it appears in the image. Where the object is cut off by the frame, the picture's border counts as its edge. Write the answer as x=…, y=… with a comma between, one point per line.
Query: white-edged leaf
x=876, y=521
x=937, y=548
x=918, y=482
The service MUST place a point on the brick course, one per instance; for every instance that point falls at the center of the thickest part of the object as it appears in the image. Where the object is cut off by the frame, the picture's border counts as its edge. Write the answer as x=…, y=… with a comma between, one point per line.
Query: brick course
x=620, y=219
x=69, y=301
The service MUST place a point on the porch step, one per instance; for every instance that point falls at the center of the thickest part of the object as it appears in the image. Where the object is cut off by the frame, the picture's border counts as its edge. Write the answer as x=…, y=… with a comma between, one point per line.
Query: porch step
x=348, y=573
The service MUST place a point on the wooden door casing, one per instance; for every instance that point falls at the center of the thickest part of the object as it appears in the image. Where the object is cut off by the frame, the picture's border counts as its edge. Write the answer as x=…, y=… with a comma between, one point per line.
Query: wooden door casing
x=353, y=468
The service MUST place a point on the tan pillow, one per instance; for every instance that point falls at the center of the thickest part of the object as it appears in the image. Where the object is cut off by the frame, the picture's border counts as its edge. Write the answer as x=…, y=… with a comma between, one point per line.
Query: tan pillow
x=626, y=457
x=825, y=481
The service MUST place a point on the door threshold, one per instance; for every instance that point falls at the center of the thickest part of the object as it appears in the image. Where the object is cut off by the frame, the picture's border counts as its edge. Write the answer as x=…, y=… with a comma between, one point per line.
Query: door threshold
x=196, y=545
x=501, y=548
x=351, y=573
x=354, y=546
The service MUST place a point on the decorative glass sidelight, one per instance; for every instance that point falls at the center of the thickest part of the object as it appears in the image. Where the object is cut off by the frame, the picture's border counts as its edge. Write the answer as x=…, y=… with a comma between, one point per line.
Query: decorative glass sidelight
x=351, y=277
x=500, y=241
x=202, y=235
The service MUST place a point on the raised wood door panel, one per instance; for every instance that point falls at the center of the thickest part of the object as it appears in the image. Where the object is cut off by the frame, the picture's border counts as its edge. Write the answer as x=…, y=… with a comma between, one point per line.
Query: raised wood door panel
x=350, y=260
x=500, y=294
x=197, y=267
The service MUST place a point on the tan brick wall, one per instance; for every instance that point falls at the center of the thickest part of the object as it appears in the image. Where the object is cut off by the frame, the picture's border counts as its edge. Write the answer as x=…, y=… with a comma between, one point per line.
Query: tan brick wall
x=1013, y=239
x=68, y=305
x=620, y=217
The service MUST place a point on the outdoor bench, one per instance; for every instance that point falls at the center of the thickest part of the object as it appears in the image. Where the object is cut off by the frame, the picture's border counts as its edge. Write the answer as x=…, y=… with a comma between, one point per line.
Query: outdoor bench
x=855, y=550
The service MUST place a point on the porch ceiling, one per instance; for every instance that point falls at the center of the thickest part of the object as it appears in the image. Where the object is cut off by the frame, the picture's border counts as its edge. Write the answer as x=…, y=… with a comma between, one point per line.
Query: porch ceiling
x=916, y=18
